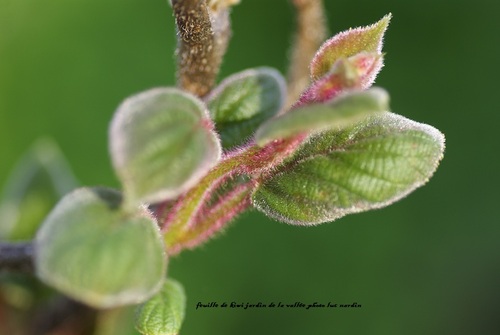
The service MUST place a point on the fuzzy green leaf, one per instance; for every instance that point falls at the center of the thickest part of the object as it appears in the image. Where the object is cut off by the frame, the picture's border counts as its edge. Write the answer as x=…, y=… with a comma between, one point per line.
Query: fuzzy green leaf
x=347, y=44
x=37, y=182
x=161, y=144
x=163, y=314
x=364, y=167
x=94, y=252
x=341, y=112
x=245, y=100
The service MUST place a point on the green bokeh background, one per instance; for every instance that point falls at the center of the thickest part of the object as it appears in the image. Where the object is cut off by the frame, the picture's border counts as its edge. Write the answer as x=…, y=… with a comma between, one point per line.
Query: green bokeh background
x=429, y=264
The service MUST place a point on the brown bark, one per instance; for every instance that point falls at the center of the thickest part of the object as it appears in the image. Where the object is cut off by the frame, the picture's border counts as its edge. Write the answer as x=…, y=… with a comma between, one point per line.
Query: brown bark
x=203, y=35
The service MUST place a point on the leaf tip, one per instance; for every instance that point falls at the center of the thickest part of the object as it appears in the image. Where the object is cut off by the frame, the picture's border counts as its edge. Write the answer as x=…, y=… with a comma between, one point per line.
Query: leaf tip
x=349, y=43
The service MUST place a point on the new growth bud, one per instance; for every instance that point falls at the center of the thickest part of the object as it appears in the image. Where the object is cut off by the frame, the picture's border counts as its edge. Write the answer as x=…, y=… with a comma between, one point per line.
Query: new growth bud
x=356, y=72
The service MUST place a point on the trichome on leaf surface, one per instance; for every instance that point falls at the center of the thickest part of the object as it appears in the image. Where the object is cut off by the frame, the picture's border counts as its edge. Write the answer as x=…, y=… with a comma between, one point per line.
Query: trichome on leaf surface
x=191, y=158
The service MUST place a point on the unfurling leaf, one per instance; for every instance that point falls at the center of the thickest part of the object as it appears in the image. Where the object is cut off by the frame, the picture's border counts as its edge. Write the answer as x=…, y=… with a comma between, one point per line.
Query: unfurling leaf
x=341, y=112
x=367, y=166
x=163, y=314
x=356, y=72
x=161, y=144
x=347, y=44
x=245, y=100
x=38, y=181
x=94, y=252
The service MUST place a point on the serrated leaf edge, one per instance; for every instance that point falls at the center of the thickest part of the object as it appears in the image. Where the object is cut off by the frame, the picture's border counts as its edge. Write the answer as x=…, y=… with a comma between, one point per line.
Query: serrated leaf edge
x=179, y=316
x=430, y=130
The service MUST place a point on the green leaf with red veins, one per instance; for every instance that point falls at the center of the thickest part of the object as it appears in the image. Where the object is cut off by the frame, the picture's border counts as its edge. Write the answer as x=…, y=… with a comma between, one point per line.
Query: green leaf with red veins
x=356, y=72
x=341, y=112
x=338, y=172
x=161, y=143
x=347, y=44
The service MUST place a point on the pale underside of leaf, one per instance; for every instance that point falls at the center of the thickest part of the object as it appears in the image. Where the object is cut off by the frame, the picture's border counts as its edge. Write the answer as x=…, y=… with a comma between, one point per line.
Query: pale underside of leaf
x=92, y=251
x=161, y=145
x=343, y=111
x=366, y=167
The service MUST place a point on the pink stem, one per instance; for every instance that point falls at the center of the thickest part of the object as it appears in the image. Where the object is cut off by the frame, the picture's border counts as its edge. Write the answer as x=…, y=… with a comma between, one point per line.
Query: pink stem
x=183, y=221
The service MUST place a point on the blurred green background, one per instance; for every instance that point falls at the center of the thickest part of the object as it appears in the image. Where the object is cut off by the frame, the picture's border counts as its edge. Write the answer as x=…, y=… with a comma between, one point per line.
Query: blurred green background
x=429, y=264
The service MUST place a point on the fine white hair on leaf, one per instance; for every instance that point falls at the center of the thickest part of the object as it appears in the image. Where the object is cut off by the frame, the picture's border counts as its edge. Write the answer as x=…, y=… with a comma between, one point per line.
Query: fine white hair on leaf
x=162, y=142
x=336, y=173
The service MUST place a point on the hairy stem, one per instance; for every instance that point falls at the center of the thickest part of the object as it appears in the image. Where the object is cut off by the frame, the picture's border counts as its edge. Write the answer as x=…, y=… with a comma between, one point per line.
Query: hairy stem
x=214, y=219
x=311, y=33
x=184, y=212
x=203, y=35
x=189, y=222
x=17, y=257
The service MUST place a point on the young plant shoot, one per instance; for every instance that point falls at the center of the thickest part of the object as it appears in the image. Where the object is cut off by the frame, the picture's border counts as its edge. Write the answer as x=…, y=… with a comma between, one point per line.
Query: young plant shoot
x=191, y=158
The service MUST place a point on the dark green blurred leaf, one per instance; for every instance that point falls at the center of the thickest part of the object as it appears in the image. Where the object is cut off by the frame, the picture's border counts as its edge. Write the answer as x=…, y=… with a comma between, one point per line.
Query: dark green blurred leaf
x=161, y=144
x=243, y=101
x=163, y=314
x=341, y=112
x=38, y=181
x=19, y=290
x=365, y=167
x=94, y=252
